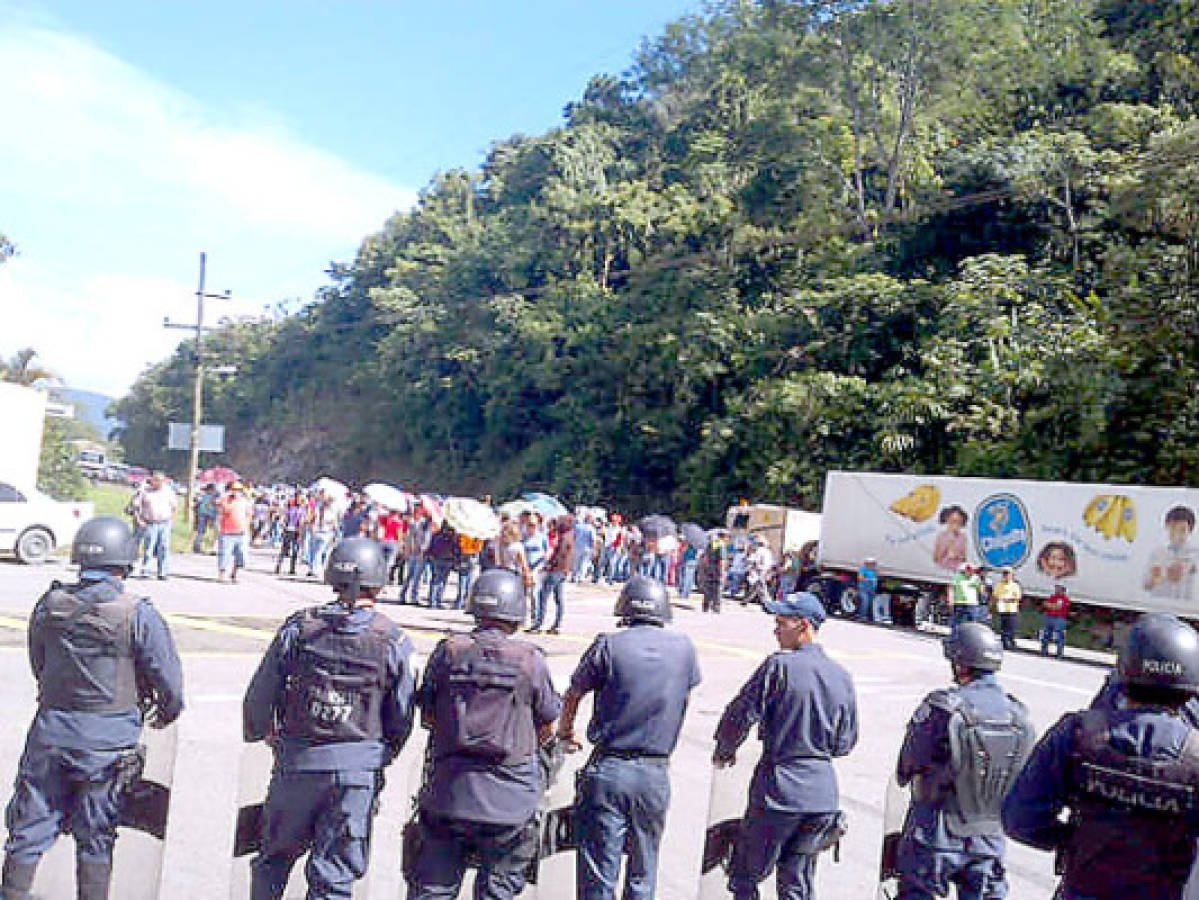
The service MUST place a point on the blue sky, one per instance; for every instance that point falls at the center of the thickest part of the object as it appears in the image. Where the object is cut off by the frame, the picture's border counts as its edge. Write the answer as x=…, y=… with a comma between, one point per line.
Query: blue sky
x=273, y=135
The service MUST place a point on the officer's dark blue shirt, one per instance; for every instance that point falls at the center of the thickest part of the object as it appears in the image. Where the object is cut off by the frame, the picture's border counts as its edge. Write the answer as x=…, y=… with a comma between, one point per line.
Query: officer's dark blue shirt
x=155, y=660
x=1032, y=808
x=263, y=706
x=642, y=677
x=807, y=713
x=926, y=753
x=467, y=787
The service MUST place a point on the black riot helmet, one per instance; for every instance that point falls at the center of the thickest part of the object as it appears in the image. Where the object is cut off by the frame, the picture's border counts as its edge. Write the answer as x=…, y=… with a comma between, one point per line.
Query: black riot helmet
x=356, y=561
x=1162, y=652
x=104, y=542
x=643, y=599
x=973, y=645
x=498, y=594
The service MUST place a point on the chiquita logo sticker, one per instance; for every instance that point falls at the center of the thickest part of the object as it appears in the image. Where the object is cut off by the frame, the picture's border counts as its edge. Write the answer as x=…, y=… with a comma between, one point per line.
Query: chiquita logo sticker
x=1002, y=534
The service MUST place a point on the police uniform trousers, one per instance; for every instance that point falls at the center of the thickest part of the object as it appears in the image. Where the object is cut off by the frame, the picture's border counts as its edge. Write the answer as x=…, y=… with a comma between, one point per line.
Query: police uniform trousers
x=930, y=860
x=620, y=806
x=327, y=814
x=502, y=853
x=784, y=840
x=59, y=790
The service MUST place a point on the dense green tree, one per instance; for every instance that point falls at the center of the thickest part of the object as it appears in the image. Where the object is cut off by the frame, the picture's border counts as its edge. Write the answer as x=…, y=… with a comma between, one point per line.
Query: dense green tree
x=795, y=235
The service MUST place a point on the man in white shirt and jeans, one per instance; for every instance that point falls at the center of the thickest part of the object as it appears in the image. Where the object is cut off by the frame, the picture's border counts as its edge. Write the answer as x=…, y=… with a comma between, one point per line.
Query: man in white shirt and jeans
x=156, y=510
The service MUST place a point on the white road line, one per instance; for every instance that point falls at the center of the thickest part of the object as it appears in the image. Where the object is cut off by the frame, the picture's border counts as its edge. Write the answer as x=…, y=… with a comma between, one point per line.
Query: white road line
x=1056, y=685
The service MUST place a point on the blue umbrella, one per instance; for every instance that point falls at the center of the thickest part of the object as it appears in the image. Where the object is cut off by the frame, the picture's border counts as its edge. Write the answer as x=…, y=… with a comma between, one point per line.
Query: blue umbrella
x=551, y=506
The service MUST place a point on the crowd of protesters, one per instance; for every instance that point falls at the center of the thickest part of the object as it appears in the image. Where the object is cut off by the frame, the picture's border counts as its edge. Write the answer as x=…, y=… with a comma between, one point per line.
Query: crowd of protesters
x=549, y=552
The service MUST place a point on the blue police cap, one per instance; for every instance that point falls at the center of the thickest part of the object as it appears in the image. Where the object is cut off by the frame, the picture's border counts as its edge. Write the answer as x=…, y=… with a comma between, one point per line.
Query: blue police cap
x=802, y=605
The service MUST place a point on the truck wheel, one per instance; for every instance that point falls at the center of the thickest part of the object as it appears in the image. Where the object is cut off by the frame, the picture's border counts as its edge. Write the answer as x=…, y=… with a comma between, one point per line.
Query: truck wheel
x=34, y=546
x=847, y=602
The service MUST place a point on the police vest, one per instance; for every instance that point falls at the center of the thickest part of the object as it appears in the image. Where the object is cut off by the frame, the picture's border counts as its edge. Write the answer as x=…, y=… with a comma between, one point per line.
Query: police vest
x=485, y=707
x=335, y=681
x=986, y=755
x=1130, y=813
x=88, y=652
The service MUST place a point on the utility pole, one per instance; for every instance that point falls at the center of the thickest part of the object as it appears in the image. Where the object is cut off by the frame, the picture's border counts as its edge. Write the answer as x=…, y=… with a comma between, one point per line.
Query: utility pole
x=193, y=463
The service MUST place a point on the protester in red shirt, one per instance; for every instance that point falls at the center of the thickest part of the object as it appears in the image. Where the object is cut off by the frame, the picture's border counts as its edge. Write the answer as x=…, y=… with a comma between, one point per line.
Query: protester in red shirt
x=1056, y=608
x=391, y=532
x=233, y=515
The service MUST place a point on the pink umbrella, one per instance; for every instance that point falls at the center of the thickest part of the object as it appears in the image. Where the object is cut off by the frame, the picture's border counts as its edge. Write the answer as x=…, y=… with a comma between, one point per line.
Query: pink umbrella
x=218, y=475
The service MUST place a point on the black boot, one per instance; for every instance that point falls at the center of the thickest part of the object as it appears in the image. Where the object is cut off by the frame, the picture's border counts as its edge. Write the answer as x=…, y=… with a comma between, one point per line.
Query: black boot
x=18, y=879
x=92, y=879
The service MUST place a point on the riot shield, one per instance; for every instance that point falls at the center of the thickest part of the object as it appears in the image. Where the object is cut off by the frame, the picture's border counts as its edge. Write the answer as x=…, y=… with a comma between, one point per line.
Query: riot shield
x=137, y=856
x=552, y=875
x=895, y=811
x=726, y=807
x=554, y=878
x=1191, y=892
x=253, y=779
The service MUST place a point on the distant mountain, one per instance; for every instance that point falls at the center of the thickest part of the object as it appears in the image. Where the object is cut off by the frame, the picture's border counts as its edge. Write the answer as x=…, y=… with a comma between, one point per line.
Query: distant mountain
x=90, y=407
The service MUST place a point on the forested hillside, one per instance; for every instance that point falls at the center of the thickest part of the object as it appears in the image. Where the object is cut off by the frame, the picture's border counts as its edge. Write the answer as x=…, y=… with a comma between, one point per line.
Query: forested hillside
x=954, y=236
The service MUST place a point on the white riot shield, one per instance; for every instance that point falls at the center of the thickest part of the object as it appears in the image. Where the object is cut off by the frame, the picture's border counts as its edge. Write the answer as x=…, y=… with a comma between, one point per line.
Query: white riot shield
x=1192, y=888
x=895, y=812
x=253, y=779
x=727, y=798
x=558, y=843
x=137, y=857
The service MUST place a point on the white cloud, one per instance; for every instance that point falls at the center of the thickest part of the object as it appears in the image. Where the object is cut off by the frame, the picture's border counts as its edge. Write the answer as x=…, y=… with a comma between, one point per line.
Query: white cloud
x=99, y=333
x=110, y=184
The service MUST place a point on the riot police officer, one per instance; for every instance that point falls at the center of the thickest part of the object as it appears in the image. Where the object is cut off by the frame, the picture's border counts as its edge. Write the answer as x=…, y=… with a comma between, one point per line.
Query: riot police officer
x=963, y=749
x=333, y=696
x=1128, y=773
x=104, y=662
x=805, y=704
x=642, y=677
x=489, y=704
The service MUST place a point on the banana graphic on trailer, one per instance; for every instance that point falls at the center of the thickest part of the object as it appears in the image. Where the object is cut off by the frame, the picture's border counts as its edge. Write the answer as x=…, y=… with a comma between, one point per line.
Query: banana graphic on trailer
x=1112, y=515
x=919, y=504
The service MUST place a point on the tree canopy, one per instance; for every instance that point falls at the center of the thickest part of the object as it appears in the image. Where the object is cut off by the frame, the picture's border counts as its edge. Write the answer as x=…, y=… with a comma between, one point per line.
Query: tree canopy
x=955, y=237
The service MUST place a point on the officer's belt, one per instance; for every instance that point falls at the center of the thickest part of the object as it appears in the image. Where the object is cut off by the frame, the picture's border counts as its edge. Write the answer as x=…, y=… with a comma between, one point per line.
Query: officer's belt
x=601, y=752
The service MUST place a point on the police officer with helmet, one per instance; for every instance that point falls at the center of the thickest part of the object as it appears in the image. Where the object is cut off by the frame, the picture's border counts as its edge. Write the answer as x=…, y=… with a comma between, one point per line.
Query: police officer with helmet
x=963, y=749
x=1128, y=772
x=104, y=662
x=333, y=696
x=642, y=677
x=803, y=702
x=489, y=703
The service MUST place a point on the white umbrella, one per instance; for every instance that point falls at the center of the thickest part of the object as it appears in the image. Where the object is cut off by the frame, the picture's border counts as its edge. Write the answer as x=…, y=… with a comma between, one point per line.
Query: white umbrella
x=472, y=518
x=389, y=496
x=514, y=508
x=332, y=487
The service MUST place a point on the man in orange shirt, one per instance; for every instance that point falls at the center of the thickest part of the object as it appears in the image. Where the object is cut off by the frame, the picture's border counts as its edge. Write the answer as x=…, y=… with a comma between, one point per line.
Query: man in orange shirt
x=233, y=526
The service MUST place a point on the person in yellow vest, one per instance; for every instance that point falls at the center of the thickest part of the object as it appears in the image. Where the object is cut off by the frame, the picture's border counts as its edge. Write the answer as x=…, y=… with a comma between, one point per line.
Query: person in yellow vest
x=1007, y=595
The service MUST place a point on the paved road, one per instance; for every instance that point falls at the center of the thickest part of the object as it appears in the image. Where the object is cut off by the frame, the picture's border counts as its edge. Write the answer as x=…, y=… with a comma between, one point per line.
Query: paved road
x=221, y=630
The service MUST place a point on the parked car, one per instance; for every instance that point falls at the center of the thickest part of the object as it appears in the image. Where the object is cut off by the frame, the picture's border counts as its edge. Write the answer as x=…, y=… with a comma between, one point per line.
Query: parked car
x=32, y=524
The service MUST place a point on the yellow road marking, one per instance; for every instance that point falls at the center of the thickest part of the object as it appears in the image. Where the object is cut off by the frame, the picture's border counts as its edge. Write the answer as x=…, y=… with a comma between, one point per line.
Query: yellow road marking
x=220, y=627
x=199, y=622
